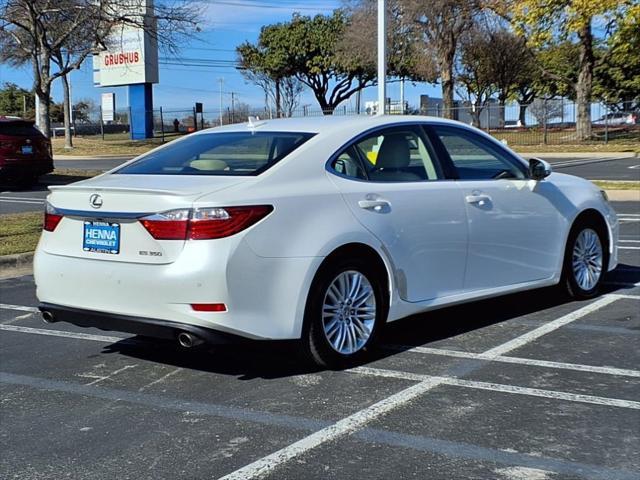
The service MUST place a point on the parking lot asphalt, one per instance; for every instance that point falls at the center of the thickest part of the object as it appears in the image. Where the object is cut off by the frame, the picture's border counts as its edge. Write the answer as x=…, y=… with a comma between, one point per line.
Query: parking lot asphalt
x=526, y=386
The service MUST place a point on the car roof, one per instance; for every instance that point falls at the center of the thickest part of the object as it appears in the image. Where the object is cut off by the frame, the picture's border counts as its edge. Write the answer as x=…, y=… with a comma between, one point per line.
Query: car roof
x=10, y=119
x=326, y=123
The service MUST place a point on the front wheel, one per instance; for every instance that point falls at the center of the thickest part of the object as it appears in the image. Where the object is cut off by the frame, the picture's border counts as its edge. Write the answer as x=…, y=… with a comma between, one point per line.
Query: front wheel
x=346, y=306
x=584, y=262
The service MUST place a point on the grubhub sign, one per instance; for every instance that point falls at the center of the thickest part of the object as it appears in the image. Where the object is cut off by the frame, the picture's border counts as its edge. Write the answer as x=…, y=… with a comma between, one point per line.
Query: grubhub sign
x=132, y=53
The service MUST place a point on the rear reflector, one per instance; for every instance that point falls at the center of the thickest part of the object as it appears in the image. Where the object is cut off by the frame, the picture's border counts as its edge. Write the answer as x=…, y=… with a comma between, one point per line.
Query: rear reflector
x=51, y=218
x=203, y=223
x=209, y=307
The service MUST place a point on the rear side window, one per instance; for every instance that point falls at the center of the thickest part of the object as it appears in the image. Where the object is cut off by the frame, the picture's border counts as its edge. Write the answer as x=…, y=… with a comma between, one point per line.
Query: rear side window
x=390, y=155
x=233, y=153
x=19, y=129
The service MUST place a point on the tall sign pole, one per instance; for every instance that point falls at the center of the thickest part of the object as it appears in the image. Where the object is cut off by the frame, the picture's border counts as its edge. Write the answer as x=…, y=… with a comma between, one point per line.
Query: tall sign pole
x=382, y=57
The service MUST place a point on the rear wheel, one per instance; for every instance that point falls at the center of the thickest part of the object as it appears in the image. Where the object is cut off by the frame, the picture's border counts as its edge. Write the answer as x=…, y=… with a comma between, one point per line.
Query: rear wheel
x=584, y=263
x=346, y=306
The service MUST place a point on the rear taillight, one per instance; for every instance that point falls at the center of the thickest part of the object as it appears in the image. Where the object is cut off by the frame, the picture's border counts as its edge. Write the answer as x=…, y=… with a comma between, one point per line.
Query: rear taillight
x=171, y=225
x=203, y=223
x=52, y=217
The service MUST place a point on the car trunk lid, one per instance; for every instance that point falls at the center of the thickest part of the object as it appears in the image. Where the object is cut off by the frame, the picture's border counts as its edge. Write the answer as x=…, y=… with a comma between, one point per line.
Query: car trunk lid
x=101, y=216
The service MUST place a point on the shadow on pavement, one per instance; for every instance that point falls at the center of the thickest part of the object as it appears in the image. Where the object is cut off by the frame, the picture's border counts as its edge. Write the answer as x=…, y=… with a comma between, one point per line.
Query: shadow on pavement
x=270, y=360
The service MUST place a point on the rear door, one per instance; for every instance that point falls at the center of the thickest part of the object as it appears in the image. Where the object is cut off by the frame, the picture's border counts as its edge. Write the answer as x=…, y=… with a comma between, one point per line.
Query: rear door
x=515, y=230
x=394, y=186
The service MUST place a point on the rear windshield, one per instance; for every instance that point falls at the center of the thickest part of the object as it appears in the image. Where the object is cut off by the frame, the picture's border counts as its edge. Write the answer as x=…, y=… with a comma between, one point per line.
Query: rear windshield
x=19, y=129
x=234, y=153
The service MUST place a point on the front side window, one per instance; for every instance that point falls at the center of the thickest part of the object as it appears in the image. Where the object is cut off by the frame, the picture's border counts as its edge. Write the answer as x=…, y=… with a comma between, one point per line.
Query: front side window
x=393, y=155
x=233, y=153
x=476, y=158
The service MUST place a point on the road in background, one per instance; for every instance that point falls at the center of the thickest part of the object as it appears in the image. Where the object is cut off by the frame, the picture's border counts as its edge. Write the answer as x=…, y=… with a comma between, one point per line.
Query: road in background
x=86, y=163
x=599, y=168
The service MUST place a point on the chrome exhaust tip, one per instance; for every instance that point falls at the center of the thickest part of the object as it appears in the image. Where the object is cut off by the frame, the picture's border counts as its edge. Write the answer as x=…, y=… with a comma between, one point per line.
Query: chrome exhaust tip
x=188, y=340
x=48, y=316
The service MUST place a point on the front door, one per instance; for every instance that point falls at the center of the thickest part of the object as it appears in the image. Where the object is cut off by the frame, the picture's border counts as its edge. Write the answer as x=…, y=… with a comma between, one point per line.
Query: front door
x=515, y=231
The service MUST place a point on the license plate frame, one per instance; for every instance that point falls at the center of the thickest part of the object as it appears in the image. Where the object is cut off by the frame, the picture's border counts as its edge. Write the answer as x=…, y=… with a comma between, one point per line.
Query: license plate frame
x=101, y=237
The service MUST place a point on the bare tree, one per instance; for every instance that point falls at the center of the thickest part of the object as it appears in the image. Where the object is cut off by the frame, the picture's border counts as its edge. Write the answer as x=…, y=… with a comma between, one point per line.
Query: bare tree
x=544, y=110
x=66, y=32
x=284, y=92
x=405, y=57
x=474, y=75
x=441, y=24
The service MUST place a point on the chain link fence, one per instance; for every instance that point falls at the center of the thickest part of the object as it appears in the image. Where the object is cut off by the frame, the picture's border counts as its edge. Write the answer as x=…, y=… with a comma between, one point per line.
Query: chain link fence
x=543, y=122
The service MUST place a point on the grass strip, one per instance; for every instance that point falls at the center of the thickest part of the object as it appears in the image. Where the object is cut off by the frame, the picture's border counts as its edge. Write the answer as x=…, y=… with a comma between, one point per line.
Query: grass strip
x=19, y=232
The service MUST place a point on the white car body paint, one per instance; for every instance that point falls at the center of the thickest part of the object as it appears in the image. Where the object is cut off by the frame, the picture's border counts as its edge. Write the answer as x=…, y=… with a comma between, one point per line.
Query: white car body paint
x=456, y=253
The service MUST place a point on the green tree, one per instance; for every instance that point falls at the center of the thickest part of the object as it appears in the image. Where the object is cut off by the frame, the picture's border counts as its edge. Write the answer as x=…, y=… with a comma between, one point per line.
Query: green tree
x=15, y=100
x=549, y=22
x=307, y=49
x=617, y=76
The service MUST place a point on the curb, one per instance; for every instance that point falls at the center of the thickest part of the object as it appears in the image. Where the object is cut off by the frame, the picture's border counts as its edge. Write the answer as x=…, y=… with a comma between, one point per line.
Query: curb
x=93, y=157
x=623, y=195
x=19, y=263
x=581, y=155
x=18, y=260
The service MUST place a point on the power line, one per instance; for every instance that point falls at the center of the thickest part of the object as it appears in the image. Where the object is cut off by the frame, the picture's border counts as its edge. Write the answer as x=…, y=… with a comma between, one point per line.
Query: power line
x=271, y=6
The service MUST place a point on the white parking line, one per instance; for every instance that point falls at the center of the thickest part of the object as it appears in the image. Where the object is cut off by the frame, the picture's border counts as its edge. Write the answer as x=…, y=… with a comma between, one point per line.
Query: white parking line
x=550, y=327
x=20, y=308
x=628, y=248
x=520, y=361
x=58, y=333
x=628, y=241
x=348, y=425
x=29, y=202
x=498, y=387
x=39, y=199
x=339, y=429
x=356, y=421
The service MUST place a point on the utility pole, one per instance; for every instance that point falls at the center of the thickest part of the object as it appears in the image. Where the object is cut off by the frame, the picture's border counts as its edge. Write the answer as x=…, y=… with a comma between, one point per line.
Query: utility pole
x=221, y=80
x=233, y=107
x=382, y=57
x=402, y=110
x=24, y=106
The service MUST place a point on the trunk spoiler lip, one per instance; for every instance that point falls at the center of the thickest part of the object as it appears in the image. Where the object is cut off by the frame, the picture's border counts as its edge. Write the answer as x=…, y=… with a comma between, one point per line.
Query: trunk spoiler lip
x=136, y=190
x=102, y=215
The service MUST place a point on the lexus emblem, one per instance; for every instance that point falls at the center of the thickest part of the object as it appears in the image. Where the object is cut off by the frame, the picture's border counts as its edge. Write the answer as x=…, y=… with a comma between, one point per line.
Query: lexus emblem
x=95, y=200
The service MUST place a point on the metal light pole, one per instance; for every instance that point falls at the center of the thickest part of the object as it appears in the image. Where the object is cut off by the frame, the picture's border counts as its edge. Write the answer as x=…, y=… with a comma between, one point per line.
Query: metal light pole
x=382, y=57
x=221, y=80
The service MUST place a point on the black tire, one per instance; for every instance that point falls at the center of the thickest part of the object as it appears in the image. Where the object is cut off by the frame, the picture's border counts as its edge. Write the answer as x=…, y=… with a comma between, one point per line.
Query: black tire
x=316, y=347
x=569, y=283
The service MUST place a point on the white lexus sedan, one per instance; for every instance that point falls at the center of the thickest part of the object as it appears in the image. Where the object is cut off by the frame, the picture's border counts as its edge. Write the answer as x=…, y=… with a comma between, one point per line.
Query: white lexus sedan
x=317, y=229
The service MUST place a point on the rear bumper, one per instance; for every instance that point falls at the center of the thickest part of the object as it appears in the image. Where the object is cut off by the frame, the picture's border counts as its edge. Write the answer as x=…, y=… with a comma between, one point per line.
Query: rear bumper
x=22, y=168
x=265, y=297
x=150, y=327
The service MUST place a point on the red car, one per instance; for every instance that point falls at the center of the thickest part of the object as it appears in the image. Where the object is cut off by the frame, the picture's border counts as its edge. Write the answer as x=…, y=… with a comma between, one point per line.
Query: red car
x=25, y=153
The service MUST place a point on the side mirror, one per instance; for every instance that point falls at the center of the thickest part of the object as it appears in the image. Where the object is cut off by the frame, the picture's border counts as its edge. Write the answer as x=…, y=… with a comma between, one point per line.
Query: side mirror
x=539, y=169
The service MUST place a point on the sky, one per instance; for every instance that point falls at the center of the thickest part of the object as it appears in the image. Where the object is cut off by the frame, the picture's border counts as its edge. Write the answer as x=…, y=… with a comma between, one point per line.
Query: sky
x=226, y=24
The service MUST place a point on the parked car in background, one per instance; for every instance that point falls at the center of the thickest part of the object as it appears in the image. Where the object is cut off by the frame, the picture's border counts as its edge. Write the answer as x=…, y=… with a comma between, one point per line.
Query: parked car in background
x=25, y=153
x=618, y=118
x=316, y=229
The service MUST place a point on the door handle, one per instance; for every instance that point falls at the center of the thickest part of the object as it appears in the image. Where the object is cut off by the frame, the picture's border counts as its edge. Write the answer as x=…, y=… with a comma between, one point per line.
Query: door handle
x=479, y=199
x=375, y=205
